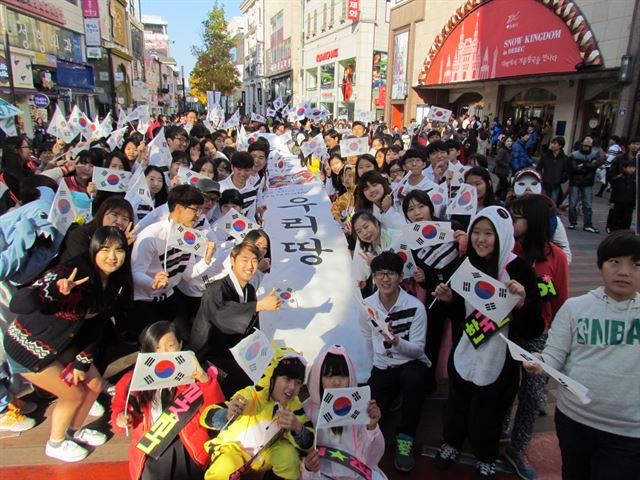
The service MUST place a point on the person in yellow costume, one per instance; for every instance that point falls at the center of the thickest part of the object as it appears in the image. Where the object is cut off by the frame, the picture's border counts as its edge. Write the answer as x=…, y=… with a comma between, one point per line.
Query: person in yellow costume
x=266, y=419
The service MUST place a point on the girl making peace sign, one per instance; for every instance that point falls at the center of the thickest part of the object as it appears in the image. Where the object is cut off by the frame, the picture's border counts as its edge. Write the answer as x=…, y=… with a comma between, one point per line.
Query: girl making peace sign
x=52, y=340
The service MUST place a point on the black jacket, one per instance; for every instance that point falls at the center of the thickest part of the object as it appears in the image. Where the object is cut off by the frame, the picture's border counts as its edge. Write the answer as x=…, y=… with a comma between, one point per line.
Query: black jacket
x=582, y=168
x=222, y=320
x=554, y=170
x=623, y=190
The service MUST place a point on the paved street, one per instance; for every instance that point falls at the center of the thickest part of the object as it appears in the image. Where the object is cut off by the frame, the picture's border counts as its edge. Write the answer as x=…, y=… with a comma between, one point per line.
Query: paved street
x=109, y=461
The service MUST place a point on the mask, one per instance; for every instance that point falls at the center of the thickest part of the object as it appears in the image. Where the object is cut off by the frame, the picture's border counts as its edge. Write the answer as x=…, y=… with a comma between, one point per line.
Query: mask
x=527, y=184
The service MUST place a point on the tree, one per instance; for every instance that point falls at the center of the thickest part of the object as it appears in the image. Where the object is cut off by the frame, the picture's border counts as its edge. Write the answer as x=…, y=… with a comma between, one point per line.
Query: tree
x=214, y=69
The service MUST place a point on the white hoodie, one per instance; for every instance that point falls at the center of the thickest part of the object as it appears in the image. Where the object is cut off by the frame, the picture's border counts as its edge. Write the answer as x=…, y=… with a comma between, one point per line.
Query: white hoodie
x=595, y=340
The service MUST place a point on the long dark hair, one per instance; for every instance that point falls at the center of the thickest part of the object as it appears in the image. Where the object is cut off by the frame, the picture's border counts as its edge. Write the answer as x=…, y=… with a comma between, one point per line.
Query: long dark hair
x=110, y=203
x=369, y=178
x=364, y=215
x=119, y=283
x=162, y=195
x=489, y=197
x=11, y=161
x=254, y=235
x=149, y=339
x=421, y=197
x=535, y=209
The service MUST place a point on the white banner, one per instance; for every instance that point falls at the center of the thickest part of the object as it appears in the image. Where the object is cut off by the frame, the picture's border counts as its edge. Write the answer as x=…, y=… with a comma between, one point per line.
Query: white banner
x=309, y=255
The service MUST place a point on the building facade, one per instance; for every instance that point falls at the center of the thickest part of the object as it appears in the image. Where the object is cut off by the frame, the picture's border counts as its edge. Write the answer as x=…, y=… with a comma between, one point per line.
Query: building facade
x=237, y=28
x=162, y=74
x=283, y=38
x=253, y=82
x=345, y=55
x=574, y=64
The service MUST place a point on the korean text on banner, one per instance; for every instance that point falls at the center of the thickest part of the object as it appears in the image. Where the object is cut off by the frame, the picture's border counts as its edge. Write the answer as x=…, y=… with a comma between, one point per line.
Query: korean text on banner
x=309, y=254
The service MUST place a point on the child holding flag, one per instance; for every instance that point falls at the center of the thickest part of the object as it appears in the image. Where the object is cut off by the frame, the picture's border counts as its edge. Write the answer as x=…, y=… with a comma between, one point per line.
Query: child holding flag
x=483, y=378
x=263, y=427
x=333, y=369
x=185, y=457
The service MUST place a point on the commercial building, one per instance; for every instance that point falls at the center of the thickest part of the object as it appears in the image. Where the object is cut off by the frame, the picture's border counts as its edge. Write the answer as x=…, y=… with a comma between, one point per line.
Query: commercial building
x=345, y=55
x=161, y=70
x=237, y=28
x=253, y=81
x=572, y=63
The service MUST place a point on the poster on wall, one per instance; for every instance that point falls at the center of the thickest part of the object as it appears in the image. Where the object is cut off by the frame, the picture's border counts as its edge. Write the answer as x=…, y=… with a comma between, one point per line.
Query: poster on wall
x=399, y=75
x=501, y=39
x=379, y=82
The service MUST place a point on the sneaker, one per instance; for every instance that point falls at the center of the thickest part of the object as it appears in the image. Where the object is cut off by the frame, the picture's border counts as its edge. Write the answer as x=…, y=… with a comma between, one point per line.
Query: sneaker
x=97, y=410
x=485, y=471
x=68, y=451
x=404, y=461
x=446, y=456
x=521, y=465
x=591, y=229
x=90, y=437
x=572, y=226
x=11, y=420
x=24, y=406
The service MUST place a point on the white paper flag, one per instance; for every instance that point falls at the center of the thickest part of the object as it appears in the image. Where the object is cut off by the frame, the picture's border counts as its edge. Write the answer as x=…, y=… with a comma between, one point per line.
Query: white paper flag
x=354, y=146
x=363, y=116
x=163, y=370
x=74, y=121
x=465, y=202
x=457, y=176
x=520, y=354
x=110, y=180
x=271, y=112
x=188, y=239
x=301, y=110
x=105, y=127
x=236, y=224
x=189, y=177
x=122, y=119
x=116, y=138
x=402, y=248
x=63, y=212
x=159, y=153
x=440, y=198
x=138, y=186
x=59, y=127
x=423, y=234
x=278, y=103
x=439, y=114
x=376, y=319
x=88, y=129
x=256, y=117
x=8, y=126
x=342, y=407
x=233, y=121
x=486, y=294
x=253, y=354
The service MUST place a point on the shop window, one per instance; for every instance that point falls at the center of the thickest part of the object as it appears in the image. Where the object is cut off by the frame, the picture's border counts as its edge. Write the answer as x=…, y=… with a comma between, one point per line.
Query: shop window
x=327, y=75
x=312, y=79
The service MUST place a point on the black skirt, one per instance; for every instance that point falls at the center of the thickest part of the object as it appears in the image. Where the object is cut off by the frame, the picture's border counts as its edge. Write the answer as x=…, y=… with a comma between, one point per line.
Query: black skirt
x=174, y=464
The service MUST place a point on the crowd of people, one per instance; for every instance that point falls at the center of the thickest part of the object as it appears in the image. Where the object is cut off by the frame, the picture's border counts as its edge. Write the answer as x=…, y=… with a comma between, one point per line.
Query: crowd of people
x=72, y=300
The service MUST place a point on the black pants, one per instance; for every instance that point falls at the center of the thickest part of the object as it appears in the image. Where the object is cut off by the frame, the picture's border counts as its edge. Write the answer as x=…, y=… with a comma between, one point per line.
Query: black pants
x=591, y=454
x=435, y=328
x=477, y=413
x=172, y=310
x=619, y=217
x=175, y=463
x=408, y=379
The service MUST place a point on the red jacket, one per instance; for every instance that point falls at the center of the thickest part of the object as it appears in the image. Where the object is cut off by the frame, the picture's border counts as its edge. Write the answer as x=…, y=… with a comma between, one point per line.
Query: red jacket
x=193, y=436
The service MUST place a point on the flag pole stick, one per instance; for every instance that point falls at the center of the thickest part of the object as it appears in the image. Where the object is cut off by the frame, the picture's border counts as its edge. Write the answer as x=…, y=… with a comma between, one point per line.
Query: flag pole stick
x=436, y=298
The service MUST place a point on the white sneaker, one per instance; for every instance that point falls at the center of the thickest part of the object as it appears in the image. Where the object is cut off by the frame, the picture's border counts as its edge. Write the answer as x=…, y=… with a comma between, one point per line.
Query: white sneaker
x=68, y=451
x=90, y=437
x=97, y=410
x=11, y=420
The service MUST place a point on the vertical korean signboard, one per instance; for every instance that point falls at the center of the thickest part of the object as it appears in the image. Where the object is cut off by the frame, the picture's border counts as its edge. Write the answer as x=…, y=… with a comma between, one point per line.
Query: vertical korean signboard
x=353, y=12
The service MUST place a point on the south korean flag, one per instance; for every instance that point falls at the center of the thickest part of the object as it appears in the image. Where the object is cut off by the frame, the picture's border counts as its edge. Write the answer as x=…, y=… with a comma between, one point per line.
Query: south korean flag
x=424, y=234
x=440, y=198
x=110, y=180
x=465, y=202
x=189, y=177
x=287, y=297
x=188, y=240
x=376, y=319
x=253, y=354
x=402, y=248
x=163, y=370
x=484, y=293
x=342, y=407
x=236, y=224
x=63, y=211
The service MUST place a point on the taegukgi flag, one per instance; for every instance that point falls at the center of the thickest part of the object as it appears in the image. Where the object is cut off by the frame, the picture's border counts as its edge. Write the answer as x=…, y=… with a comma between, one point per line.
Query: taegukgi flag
x=159, y=153
x=376, y=319
x=189, y=177
x=163, y=370
x=483, y=292
x=342, y=407
x=354, y=146
x=110, y=179
x=253, y=354
x=138, y=186
x=440, y=198
x=403, y=250
x=236, y=224
x=188, y=239
x=465, y=202
x=424, y=234
x=63, y=211
x=439, y=114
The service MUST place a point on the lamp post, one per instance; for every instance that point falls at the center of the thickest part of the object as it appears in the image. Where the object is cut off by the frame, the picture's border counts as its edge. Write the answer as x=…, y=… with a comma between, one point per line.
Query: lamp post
x=184, y=94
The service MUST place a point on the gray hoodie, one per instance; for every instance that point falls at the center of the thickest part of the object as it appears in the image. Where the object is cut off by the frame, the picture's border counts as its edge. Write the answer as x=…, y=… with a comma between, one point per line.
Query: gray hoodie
x=595, y=340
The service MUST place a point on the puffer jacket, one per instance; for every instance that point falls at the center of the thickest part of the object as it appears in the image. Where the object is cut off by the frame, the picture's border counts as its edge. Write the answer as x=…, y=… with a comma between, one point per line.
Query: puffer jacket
x=582, y=168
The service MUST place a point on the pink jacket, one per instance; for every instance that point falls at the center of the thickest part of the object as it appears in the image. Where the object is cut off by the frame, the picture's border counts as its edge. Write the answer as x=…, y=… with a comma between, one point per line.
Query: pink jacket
x=366, y=445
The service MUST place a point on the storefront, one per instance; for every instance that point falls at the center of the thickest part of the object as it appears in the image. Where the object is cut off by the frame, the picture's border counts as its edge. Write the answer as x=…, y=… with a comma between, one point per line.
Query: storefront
x=537, y=59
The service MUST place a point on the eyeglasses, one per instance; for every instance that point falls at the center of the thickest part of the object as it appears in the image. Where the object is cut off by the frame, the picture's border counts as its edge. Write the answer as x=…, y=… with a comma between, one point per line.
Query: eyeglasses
x=197, y=210
x=384, y=274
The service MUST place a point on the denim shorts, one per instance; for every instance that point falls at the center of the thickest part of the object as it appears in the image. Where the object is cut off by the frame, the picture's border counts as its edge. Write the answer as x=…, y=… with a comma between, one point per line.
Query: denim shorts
x=15, y=367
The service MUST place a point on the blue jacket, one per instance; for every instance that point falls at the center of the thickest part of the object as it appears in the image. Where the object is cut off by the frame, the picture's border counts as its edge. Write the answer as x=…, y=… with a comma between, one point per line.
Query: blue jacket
x=22, y=259
x=519, y=157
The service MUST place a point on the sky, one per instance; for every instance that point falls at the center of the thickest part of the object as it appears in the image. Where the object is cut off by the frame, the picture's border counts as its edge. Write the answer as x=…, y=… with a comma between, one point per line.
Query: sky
x=184, y=18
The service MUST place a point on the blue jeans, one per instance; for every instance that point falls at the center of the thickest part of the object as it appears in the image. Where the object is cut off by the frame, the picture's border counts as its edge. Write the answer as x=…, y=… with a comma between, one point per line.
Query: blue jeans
x=585, y=194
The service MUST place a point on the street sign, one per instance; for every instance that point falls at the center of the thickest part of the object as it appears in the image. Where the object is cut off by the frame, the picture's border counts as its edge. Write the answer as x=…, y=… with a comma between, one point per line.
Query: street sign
x=40, y=100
